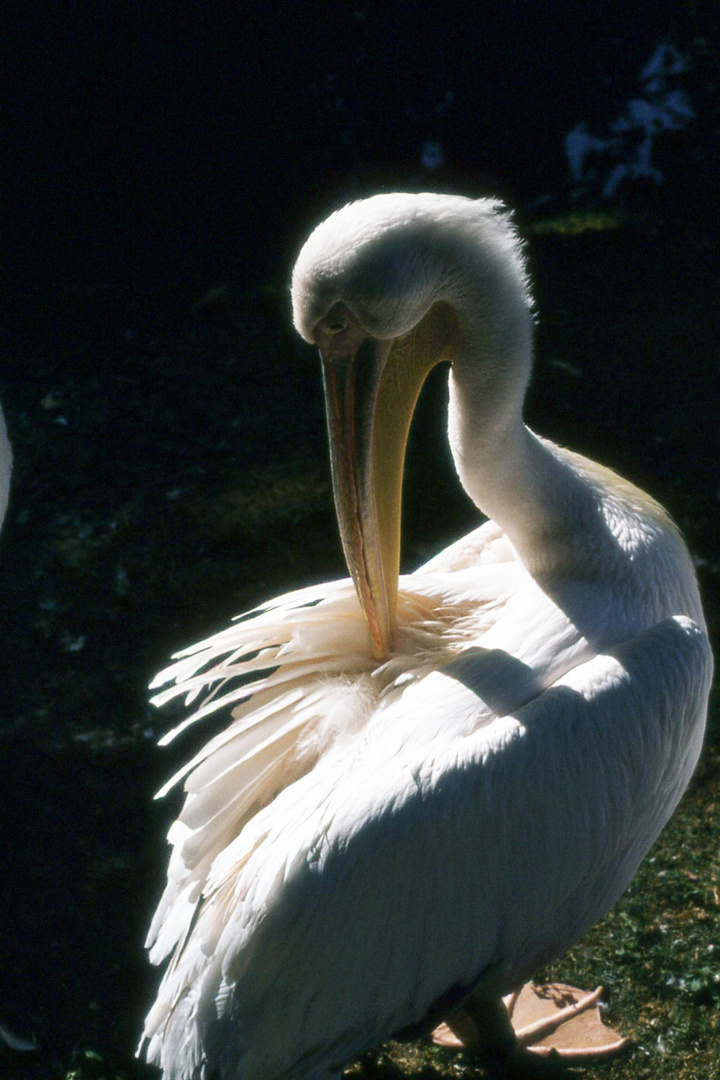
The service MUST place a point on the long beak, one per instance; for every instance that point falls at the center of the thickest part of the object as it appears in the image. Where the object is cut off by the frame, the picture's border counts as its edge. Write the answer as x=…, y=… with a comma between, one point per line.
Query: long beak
x=370, y=397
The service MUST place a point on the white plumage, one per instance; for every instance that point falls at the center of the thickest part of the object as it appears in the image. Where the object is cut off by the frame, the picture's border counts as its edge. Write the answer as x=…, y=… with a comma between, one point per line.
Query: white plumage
x=436, y=792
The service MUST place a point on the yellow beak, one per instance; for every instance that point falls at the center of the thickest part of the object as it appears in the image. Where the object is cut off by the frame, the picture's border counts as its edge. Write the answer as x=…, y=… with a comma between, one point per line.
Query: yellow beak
x=370, y=396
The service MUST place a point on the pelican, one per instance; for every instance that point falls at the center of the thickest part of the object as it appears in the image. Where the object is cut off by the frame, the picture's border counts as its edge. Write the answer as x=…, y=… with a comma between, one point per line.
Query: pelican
x=432, y=784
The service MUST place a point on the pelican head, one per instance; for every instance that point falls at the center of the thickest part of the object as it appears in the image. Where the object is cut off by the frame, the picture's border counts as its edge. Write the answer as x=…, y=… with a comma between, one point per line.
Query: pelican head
x=388, y=288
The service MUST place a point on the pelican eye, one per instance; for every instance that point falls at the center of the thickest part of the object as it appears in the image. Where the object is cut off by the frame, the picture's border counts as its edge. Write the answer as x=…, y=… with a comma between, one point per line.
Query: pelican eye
x=336, y=326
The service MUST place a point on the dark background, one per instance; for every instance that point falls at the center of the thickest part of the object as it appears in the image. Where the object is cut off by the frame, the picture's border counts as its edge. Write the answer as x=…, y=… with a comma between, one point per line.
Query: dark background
x=162, y=164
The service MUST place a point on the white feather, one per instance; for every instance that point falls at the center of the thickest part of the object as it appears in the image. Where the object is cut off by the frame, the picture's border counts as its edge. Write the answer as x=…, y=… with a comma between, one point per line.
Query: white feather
x=366, y=839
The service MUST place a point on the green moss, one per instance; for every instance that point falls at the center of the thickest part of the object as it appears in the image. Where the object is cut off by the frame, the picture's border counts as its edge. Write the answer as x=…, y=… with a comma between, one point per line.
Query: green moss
x=576, y=222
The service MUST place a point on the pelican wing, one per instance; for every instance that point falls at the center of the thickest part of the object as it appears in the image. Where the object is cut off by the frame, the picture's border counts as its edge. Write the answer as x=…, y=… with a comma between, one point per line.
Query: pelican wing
x=484, y=546
x=263, y=668
x=382, y=883
x=296, y=674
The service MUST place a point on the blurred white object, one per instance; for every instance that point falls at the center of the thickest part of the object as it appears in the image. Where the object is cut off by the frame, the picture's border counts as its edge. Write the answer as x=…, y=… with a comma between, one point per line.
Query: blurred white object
x=5, y=467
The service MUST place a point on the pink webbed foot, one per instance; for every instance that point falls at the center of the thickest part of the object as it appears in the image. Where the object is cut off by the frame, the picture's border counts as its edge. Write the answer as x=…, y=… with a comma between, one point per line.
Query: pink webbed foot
x=544, y=1028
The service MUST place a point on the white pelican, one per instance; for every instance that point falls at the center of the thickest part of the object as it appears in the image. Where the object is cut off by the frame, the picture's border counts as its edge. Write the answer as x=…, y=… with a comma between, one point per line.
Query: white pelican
x=431, y=786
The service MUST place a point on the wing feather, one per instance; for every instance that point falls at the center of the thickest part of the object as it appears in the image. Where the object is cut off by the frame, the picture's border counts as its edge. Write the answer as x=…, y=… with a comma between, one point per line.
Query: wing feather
x=517, y=837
